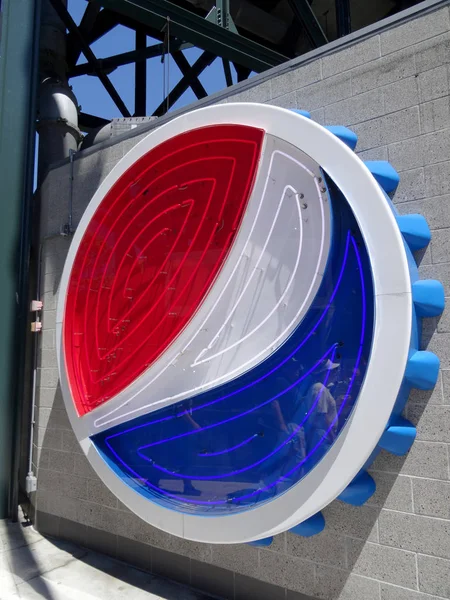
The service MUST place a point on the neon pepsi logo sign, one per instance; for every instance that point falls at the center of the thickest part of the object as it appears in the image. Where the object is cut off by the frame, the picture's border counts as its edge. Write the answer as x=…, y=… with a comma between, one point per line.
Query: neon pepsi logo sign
x=239, y=322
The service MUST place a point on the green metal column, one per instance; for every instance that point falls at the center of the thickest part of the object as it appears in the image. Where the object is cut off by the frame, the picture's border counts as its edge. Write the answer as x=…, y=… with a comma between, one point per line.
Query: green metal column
x=18, y=66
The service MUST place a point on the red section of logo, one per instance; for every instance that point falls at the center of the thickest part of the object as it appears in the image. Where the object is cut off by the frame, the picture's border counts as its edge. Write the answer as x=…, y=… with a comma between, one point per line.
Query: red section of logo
x=150, y=253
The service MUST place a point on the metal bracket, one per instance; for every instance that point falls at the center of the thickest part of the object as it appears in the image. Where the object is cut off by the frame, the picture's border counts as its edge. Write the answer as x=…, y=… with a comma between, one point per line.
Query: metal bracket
x=220, y=15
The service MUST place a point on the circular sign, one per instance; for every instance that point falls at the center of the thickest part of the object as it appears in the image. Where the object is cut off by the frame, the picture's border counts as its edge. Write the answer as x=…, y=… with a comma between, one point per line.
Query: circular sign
x=237, y=327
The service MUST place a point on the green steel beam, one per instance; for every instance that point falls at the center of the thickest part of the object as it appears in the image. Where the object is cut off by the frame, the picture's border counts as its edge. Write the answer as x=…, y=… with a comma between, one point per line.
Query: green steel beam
x=183, y=64
x=70, y=24
x=203, y=61
x=18, y=77
x=192, y=28
x=126, y=58
x=86, y=26
x=305, y=15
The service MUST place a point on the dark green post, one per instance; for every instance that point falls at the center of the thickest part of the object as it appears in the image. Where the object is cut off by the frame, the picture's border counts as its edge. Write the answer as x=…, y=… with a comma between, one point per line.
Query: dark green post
x=18, y=65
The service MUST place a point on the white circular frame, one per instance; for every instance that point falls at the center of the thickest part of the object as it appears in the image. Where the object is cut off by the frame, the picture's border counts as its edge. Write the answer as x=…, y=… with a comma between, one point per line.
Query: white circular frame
x=390, y=347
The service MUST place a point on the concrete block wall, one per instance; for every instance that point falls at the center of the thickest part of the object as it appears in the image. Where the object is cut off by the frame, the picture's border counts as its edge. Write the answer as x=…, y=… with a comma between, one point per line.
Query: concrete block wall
x=392, y=89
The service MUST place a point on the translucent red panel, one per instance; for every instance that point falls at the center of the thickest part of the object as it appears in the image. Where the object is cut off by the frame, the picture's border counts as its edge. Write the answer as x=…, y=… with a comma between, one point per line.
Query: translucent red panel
x=150, y=253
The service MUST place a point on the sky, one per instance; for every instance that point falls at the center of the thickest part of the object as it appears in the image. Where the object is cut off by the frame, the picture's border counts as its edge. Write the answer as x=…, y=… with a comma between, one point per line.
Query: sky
x=92, y=96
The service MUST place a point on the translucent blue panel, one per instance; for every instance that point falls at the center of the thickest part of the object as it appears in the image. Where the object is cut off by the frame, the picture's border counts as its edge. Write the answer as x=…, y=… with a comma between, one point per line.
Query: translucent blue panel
x=252, y=438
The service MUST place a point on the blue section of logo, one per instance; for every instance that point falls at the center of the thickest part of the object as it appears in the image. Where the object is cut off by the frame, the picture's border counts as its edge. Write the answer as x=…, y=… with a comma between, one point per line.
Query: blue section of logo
x=252, y=438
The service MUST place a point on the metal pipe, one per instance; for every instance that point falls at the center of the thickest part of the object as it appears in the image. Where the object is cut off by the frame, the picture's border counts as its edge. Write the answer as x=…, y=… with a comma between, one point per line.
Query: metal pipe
x=30, y=478
x=68, y=227
x=58, y=108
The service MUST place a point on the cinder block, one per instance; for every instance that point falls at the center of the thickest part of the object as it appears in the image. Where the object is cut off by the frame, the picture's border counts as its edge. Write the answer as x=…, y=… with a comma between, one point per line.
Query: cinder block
x=433, y=84
x=47, y=338
x=45, y=397
x=414, y=31
x=436, y=146
x=325, y=547
x=47, y=377
x=134, y=553
x=434, y=576
x=432, y=53
x=49, y=299
x=56, y=504
x=355, y=521
x=353, y=56
x=381, y=562
x=440, y=345
x=296, y=78
x=443, y=322
x=317, y=115
x=425, y=535
x=74, y=486
x=70, y=442
x=113, y=153
x=391, y=592
x=82, y=467
x=54, y=263
x=48, y=438
x=49, y=319
x=401, y=94
x=440, y=247
x=212, y=579
x=131, y=142
x=99, y=493
x=177, y=545
x=47, y=358
x=393, y=491
x=279, y=543
x=435, y=210
x=130, y=526
x=49, y=481
x=97, y=516
x=369, y=134
x=166, y=564
x=380, y=153
x=40, y=457
x=102, y=541
x=396, y=66
x=54, y=247
x=287, y=571
x=333, y=584
x=88, y=514
x=322, y=93
x=239, y=558
x=43, y=417
x=446, y=386
x=356, y=109
x=390, y=128
x=435, y=114
x=423, y=460
x=286, y=101
x=430, y=397
x=432, y=422
x=58, y=419
x=257, y=93
x=423, y=257
x=61, y=461
x=407, y=154
x=438, y=271
x=432, y=498
x=437, y=179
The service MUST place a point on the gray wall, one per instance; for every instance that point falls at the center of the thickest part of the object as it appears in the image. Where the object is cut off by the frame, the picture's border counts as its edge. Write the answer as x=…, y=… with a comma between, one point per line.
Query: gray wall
x=392, y=88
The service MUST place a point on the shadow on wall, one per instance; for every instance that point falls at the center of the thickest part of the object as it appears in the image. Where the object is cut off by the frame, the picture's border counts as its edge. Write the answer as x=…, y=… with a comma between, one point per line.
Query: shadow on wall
x=324, y=566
